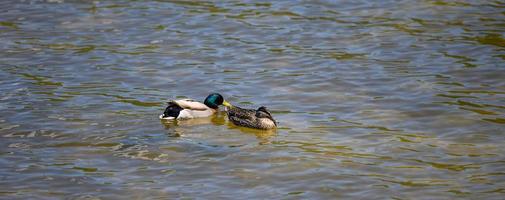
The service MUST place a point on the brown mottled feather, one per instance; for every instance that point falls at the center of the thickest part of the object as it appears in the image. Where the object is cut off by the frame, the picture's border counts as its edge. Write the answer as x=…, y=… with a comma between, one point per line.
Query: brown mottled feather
x=260, y=119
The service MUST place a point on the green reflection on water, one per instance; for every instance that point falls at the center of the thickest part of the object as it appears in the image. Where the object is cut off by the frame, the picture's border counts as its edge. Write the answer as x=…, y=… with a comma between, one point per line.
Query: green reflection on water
x=419, y=183
x=41, y=80
x=9, y=24
x=140, y=103
x=84, y=144
x=86, y=169
x=491, y=39
x=495, y=120
x=448, y=166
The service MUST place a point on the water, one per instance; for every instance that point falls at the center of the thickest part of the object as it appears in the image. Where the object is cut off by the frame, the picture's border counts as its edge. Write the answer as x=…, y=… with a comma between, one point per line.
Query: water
x=374, y=99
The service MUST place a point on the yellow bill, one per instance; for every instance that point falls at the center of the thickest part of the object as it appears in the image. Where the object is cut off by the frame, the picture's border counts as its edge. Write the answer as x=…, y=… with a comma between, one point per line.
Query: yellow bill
x=225, y=103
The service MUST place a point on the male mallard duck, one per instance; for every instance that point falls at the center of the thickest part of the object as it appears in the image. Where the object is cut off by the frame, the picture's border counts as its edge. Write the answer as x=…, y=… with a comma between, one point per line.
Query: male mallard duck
x=188, y=108
x=260, y=119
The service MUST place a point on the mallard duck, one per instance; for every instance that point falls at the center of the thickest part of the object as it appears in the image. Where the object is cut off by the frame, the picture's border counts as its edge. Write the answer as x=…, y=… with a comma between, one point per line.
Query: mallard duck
x=259, y=119
x=189, y=108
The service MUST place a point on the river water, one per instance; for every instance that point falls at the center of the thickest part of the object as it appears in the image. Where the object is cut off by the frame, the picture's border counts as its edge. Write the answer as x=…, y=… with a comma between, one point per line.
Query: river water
x=374, y=99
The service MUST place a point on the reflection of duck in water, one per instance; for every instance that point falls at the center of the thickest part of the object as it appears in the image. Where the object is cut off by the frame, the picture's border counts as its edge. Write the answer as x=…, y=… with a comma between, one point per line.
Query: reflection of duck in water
x=188, y=108
x=259, y=119
x=178, y=128
x=217, y=119
x=263, y=135
x=193, y=127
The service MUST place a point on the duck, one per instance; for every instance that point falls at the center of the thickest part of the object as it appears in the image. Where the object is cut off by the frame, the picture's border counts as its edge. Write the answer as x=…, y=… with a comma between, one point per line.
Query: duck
x=189, y=108
x=260, y=118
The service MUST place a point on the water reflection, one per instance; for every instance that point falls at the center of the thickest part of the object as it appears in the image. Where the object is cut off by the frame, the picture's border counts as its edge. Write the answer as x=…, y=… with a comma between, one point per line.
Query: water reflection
x=217, y=119
x=263, y=136
x=177, y=128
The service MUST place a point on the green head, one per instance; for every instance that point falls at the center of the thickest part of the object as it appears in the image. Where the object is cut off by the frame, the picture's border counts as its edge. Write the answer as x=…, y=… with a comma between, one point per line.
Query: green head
x=214, y=100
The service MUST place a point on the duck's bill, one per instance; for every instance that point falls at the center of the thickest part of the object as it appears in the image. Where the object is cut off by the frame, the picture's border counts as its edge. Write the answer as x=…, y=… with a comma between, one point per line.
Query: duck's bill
x=225, y=103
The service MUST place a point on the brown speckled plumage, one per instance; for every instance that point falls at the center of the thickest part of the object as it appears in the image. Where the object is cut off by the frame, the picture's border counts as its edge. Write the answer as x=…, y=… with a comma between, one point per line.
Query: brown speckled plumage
x=260, y=118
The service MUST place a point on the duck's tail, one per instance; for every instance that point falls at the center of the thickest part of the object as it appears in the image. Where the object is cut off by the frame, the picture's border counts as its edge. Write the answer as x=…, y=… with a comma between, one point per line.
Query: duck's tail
x=172, y=111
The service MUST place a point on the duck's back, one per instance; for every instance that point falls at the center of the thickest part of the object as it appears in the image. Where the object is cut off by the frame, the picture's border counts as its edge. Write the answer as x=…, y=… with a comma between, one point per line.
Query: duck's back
x=241, y=116
x=186, y=109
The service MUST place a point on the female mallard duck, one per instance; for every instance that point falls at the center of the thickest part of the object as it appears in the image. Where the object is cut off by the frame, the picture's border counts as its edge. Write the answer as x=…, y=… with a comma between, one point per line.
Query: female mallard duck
x=188, y=108
x=260, y=119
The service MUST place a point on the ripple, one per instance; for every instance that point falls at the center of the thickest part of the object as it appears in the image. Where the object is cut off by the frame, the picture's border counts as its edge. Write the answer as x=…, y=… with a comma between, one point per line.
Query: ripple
x=9, y=24
x=492, y=39
x=451, y=167
x=86, y=169
x=495, y=120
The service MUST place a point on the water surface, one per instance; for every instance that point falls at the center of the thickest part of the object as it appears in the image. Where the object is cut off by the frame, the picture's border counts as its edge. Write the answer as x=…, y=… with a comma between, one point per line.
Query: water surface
x=374, y=99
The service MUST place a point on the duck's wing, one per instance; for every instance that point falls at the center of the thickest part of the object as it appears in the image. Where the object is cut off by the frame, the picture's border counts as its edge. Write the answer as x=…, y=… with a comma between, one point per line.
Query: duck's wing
x=190, y=104
x=189, y=114
x=241, y=116
x=241, y=113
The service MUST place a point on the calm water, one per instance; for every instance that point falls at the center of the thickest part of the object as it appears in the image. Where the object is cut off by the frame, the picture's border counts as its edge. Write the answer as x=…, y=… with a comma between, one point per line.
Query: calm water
x=375, y=99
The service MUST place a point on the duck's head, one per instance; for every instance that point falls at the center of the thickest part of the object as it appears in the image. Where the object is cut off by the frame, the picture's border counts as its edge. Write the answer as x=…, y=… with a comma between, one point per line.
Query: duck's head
x=214, y=100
